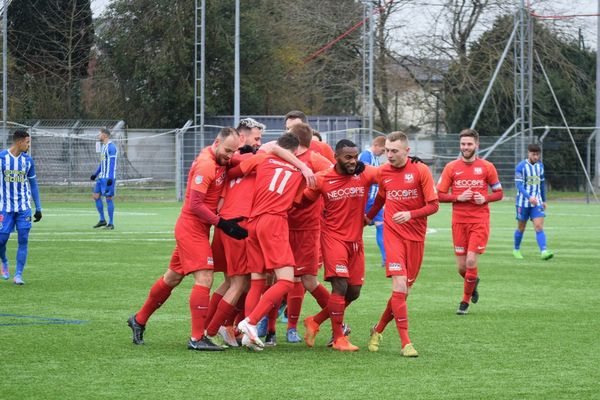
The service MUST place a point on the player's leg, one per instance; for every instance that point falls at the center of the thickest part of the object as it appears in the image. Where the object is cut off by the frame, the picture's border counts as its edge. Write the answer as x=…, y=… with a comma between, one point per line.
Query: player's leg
x=110, y=207
x=316, y=289
x=6, y=227
x=522, y=217
x=379, y=238
x=96, y=195
x=23, y=244
x=400, y=311
x=538, y=215
x=294, y=306
x=199, y=299
x=470, y=282
x=226, y=309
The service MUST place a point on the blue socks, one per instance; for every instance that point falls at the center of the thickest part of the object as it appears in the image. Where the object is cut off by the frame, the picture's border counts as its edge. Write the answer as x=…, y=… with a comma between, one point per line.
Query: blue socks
x=3, y=240
x=111, y=209
x=379, y=237
x=541, y=240
x=100, y=208
x=518, y=238
x=23, y=235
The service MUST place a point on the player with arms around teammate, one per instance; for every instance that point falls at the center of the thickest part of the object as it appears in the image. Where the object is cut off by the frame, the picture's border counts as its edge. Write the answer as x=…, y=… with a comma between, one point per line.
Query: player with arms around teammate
x=408, y=191
x=371, y=157
x=344, y=189
x=531, y=200
x=17, y=184
x=106, y=179
x=464, y=183
x=192, y=254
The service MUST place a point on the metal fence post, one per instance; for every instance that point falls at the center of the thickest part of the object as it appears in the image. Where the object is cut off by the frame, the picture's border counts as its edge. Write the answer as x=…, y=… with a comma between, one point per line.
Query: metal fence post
x=179, y=189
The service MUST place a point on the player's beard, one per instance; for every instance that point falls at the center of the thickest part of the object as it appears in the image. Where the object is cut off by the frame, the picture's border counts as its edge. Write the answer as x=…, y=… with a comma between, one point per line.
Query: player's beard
x=222, y=161
x=468, y=155
x=348, y=169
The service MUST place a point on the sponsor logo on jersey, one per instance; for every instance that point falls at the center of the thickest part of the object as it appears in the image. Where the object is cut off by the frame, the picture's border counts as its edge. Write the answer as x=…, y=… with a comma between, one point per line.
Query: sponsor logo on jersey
x=12, y=176
x=387, y=180
x=409, y=178
x=344, y=193
x=457, y=173
x=477, y=171
x=459, y=249
x=341, y=269
x=402, y=194
x=469, y=183
x=198, y=179
x=220, y=179
x=334, y=181
x=209, y=261
x=283, y=164
x=395, y=266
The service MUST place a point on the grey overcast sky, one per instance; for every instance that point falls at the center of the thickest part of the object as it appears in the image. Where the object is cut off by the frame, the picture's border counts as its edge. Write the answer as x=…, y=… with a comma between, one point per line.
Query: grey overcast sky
x=420, y=16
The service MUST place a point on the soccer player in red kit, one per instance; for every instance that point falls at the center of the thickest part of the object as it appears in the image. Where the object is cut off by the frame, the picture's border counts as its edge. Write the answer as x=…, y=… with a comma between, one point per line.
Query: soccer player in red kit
x=408, y=191
x=468, y=179
x=298, y=117
x=304, y=223
x=344, y=189
x=192, y=254
x=277, y=185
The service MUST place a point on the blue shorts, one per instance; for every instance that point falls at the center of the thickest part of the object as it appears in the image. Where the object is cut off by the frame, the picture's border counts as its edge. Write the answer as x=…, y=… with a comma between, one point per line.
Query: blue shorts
x=379, y=216
x=103, y=189
x=18, y=219
x=525, y=213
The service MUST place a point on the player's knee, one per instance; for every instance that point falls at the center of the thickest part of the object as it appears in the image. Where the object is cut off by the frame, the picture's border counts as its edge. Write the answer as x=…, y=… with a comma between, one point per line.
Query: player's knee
x=352, y=293
x=471, y=262
x=203, y=278
x=23, y=237
x=339, y=286
x=310, y=282
x=109, y=198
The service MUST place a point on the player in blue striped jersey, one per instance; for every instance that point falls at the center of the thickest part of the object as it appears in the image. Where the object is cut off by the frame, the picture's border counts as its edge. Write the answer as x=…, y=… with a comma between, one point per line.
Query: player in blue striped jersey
x=371, y=157
x=17, y=185
x=106, y=179
x=531, y=200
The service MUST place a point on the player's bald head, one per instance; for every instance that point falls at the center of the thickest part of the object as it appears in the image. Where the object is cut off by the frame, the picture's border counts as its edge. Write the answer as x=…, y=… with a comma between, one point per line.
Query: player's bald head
x=226, y=143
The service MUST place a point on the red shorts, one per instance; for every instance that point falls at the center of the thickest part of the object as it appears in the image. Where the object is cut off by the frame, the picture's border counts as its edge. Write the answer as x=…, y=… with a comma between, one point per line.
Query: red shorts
x=235, y=253
x=305, y=246
x=218, y=251
x=343, y=259
x=470, y=237
x=192, y=250
x=403, y=257
x=268, y=243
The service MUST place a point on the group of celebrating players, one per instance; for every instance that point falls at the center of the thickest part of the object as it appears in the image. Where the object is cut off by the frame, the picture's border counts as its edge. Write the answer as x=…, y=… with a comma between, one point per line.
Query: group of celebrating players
x=282, y=211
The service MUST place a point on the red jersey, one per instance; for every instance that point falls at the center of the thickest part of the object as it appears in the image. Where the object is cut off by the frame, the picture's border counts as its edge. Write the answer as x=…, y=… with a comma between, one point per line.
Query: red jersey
x=303, y=219
x=238, y=194
x=406, y=188
x=277, y=184
x=459, y=176
x=323, y=149
x=344, y=197
x=205, y=176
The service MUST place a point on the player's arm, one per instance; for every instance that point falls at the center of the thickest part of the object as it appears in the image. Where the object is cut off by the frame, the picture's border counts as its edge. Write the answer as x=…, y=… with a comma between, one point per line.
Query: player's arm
x=377, y=205
x=494, y=182
x=275, y=149
x=95, y=174
x=112, y=164
x=444, y=184
x=432, y=204
x=246, y=166
x=319, y=162
x=35, y=192
x=309, y=195
x=365, y=157
x=543, y=187
x=520, y=181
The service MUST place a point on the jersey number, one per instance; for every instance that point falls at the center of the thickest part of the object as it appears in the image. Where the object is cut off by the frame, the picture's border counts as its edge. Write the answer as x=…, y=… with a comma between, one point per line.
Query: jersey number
x=286, y=177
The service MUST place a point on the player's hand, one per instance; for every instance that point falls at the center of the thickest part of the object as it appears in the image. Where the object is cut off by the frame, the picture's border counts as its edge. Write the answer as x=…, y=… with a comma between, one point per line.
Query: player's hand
x=37, y=216
x=93, y=178
x=247, y=149
x=544, y=204
x=465, y=196
x=401, y=217
x=360, y=167
x=414, y=159
x=533, y=201
x=309, y=175
x=109, y=182
x=478, y=198
x=230, y=227
x=367, y=221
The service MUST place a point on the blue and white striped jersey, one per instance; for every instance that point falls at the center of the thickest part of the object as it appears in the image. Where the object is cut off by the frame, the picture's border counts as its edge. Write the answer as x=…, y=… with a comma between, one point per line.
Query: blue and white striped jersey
x=369, y=158
x=15, y=191
x=108, y=161
x=529, y=180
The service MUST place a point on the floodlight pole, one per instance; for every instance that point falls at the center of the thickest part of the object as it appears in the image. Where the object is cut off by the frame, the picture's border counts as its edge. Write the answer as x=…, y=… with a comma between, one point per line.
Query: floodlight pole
x=4, y=73
x=236, y=75
x=597, y=157
x=371, y=58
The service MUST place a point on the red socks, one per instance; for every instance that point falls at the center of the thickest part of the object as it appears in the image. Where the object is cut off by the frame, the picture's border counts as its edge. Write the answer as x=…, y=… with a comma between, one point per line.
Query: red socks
x=401, y=316
x=270, y=299
x=223, y=316
x=321, y=295
x=336, y=306
x=199, y=299
x=159, y=293
x=386, y=317
x=470, y=282
x=215, y=299
x=257, y=287
x=294, y=304
x=240, y=308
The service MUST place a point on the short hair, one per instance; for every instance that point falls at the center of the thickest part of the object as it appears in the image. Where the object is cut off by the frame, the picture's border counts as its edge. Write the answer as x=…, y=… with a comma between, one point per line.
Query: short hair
x=534, y=148
x=344, y=143
x=296, y=114
x=469, y=133
x=318, y=135
x=378, y=141
x=397, y=135
x=227, y=131
x=304, y=133
x=105, y=131
x=19, y=135
x=249, y=123
x=288, y=141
